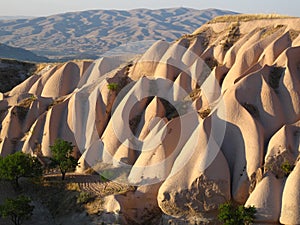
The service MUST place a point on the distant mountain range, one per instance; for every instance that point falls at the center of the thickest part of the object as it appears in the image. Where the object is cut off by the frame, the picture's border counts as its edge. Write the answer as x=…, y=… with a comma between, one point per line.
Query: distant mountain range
x=15, y=17
x=89, y=34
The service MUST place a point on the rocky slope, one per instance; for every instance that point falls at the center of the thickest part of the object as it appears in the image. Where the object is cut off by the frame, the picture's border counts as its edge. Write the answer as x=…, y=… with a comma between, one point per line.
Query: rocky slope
x=210, y=118
x=89, y=34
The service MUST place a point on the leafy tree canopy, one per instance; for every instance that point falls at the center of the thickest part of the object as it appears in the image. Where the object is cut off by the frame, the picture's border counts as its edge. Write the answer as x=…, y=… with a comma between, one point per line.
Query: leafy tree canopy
x=18, y=165
x=62, y=156
x=230, y=214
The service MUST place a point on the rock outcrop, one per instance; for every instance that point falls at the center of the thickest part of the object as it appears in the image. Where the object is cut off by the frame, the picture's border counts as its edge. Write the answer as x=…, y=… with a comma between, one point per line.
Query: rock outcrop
x=211, y=118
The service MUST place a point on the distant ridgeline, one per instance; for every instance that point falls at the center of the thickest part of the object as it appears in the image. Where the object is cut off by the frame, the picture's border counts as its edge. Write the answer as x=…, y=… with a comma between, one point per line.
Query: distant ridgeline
x=89, y=34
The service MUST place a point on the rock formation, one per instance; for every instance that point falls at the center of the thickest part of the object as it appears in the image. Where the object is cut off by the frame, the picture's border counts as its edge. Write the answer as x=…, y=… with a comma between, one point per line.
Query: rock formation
x=211, y=118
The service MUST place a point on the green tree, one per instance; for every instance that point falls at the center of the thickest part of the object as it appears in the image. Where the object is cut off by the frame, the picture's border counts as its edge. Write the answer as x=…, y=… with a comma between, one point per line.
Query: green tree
x=18, y=165
x=230, y=214
x=62, y=156
x=18, y=209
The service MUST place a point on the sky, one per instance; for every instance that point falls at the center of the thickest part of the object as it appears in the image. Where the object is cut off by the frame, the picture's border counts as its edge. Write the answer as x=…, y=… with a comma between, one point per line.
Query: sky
x=50, y=7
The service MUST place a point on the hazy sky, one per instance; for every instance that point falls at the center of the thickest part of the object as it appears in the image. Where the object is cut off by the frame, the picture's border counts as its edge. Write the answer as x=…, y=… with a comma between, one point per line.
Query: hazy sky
x=42, y=7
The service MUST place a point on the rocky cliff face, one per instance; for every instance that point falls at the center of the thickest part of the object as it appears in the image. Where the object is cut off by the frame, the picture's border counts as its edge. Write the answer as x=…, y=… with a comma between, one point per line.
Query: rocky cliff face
x=210, y=118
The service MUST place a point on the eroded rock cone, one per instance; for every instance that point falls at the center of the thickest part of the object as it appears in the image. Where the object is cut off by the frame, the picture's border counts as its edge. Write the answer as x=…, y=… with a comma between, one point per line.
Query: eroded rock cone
x=210, y=118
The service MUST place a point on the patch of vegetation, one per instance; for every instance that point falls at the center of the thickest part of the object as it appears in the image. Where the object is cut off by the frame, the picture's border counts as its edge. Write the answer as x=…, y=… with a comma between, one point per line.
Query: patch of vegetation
x=252, y=109
x=58, y=196
x=204, y=113
x=62, y=156
x=188, y=37
x=84, y=197
x=232, y=36
x=26, y=103
x=230, y=214
x=246, y=18
x=18, y=165
x=112, y=86
x=13, y=72
x=294, y=34
x=287, y=168
x=17, y=209
x=281, y=165
x=21, y=112
x=57, y=101
x=271, y=30
x=23, y=107
x=205, y=34
x=195, y=94
x=274, y=76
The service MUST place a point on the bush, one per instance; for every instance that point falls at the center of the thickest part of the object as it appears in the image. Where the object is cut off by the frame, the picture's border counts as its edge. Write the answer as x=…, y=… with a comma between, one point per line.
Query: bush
x=113, y=86
x=236, y=215
x=287, y=168
x=84, y=197
x=18, y=209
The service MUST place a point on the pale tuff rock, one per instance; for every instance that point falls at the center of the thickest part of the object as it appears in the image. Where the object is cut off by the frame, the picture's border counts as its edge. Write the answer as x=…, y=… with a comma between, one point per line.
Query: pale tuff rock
x=290, y=210
x=267, y=199
x=210, y=118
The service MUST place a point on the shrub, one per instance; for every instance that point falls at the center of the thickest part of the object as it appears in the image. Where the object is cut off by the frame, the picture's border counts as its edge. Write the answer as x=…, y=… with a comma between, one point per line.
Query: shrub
x=287, y=168
x=112, y=86
x=84, y=197
x=236, y=215
x=18, y=209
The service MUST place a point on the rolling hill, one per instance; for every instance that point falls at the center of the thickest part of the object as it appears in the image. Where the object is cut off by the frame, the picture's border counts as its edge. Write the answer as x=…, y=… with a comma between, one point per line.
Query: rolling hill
x=89, y=34
x=20, y=54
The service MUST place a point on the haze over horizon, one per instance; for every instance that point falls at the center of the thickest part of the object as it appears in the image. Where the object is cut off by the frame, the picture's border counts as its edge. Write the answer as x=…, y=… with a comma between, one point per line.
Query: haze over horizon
x=35, y=8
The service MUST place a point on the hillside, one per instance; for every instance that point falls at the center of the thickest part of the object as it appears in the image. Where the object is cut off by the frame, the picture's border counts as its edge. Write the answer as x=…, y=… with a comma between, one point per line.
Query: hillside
x=213, y=117
x=89, y=34
x=20, y=54
x=13, y=72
